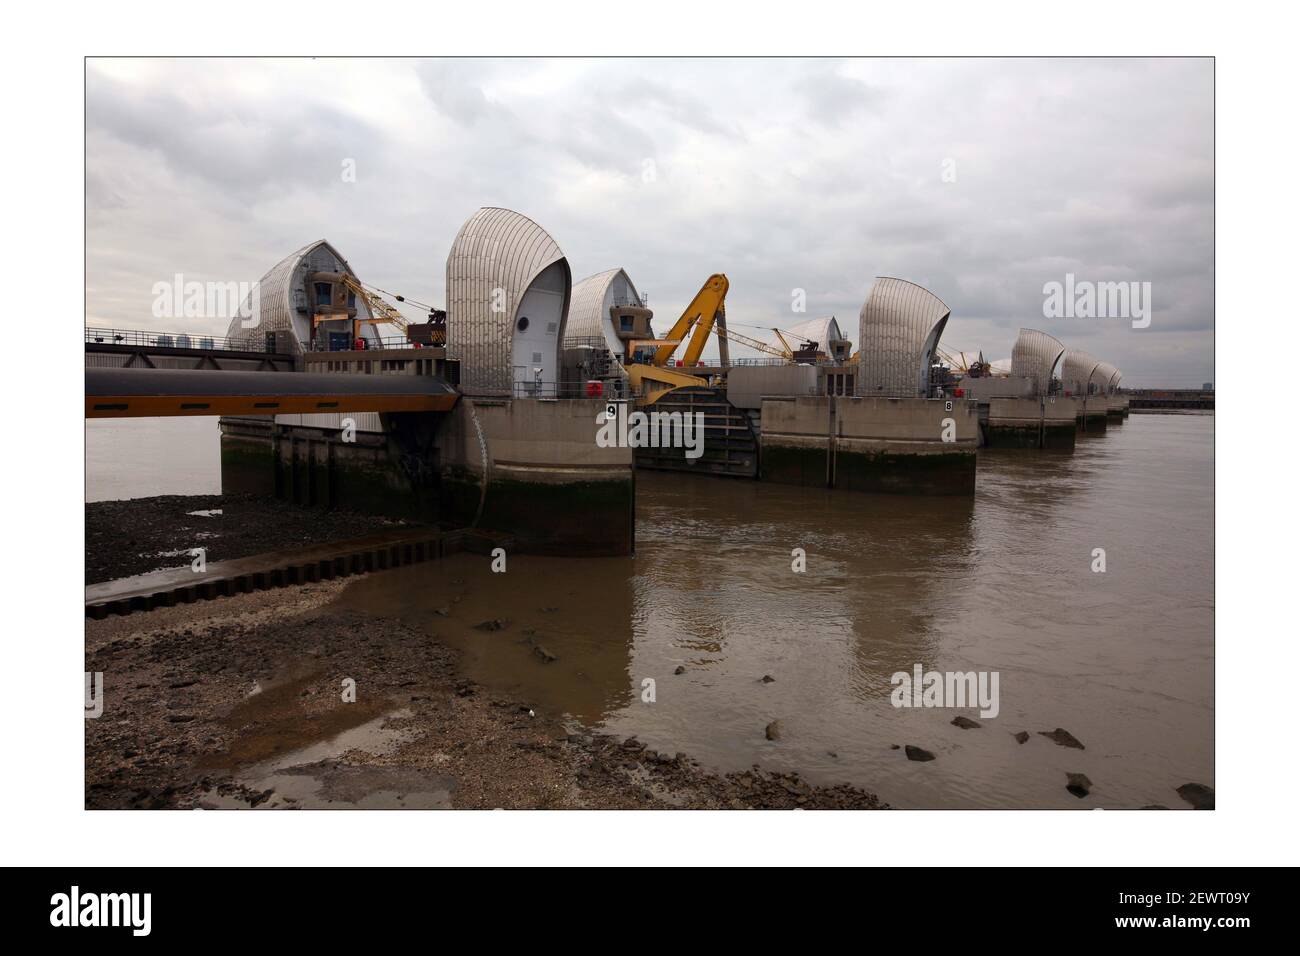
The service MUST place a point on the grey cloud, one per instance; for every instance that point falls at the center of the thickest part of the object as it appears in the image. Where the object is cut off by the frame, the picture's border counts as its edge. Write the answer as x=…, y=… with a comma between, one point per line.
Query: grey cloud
x=832, y=98
x=783, y=173
x=238, y=148
x=450, y=86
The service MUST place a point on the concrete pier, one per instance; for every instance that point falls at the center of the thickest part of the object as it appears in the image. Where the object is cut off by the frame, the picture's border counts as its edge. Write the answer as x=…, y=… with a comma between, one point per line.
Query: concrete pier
x=1092, y=412
x=376, y=472
x=532, y=468
x=1031, y=423
x=890, y=445
x=1117, y=408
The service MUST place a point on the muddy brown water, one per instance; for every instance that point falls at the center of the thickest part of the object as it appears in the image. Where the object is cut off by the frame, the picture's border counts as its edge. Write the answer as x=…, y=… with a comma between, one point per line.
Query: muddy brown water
x=1004, y=582
x=141, y=457
x=309, y=776
x=1001, y=582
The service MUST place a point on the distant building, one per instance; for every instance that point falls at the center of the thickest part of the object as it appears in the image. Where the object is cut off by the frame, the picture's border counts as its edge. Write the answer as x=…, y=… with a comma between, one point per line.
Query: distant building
x=1207, y=387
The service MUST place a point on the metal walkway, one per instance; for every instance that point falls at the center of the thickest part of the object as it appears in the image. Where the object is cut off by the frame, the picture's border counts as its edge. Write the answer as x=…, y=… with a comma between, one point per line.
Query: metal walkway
x=133, y=348
x=145, y=392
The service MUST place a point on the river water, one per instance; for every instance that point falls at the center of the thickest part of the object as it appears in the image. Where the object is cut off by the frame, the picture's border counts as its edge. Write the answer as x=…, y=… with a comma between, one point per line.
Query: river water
x=1002, y=582
x=143, y=457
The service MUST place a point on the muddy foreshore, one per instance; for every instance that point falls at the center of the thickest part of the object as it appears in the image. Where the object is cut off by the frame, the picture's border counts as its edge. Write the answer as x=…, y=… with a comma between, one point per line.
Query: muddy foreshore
x=139, y=535
x=241, y=702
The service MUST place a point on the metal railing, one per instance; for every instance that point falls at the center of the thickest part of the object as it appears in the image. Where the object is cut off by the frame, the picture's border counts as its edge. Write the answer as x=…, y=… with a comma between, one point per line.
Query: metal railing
x=609, y=388
x=139, y=338
x=773, y=360
x=386, y=342
x=350, y=345
x=584, y=342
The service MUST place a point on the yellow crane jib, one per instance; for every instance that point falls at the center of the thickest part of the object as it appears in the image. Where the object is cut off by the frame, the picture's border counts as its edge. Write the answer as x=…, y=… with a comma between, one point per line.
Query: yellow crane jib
x=757, y=344
x=380, y=311
x=785, y=346
x=699, y=316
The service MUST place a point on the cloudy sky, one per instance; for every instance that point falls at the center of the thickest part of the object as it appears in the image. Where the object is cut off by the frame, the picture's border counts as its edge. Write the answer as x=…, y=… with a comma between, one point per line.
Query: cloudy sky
x=980, y=179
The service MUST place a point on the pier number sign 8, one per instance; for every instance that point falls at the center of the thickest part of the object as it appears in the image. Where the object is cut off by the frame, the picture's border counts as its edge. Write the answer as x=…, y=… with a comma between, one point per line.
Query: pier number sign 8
x=947, y=406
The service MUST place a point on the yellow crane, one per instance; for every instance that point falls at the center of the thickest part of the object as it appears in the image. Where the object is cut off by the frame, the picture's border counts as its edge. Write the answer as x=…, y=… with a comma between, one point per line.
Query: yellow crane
x=653, y=379
x=956, y=362
x=380, y=311
x=698, y=316
x=706, y=314
x=787, y=353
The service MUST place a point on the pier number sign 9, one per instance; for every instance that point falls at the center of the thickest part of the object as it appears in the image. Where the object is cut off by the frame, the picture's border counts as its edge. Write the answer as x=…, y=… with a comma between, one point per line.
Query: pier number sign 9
x=611, y=411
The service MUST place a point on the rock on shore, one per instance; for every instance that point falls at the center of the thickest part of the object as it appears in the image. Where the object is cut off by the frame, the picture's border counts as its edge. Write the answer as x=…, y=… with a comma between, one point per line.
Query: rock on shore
x=1198, y=795
x=1062, y=737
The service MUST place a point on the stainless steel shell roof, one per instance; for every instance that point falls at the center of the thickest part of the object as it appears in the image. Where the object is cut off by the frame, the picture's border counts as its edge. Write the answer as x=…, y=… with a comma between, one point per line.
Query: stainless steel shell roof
x=1034, y=356
x=1077, y=369
x=494, y=259
x=823, y=331
x=282, y=292
x=589, y=307
x=898, y=332
x=1102, y=376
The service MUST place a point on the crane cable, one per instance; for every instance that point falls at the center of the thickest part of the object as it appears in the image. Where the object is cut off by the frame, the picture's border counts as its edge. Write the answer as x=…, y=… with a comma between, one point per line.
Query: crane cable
x=394, y=295
x=761, y=328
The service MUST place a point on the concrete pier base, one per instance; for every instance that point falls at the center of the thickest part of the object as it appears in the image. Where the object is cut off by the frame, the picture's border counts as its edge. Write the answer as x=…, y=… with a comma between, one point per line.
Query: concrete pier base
x=248, y=461
x=314, y=467
x=528, y=468
x=884, y=445
x=532, y=468
x=1117, y=408
x=1038, y=423
x=1092, y=413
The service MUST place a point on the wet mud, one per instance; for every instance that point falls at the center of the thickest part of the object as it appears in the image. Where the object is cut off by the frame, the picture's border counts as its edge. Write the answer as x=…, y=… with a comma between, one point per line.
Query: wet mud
x=244, y=703
x=139, y=535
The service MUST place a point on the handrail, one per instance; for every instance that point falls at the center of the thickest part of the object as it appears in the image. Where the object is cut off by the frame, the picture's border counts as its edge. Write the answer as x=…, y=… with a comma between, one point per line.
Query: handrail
x=611, y=388
x=140, y=338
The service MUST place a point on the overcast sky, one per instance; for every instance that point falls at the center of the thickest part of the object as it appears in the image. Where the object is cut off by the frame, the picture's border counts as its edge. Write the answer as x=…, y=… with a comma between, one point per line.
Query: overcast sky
x=784, y=174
